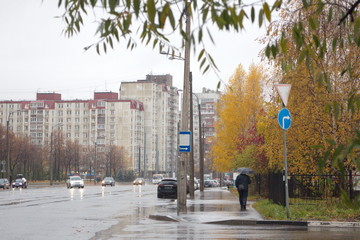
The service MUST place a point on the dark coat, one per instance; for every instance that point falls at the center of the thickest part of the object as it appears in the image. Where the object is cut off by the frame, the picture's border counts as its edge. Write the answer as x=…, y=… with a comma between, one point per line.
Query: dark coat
x=244, y=180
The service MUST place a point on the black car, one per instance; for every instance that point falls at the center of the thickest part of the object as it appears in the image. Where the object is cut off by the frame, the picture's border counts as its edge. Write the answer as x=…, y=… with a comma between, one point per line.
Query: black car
x=139, y=181
x=108, y=181
x=4, y=183
x=167, y=188
x=20, y=183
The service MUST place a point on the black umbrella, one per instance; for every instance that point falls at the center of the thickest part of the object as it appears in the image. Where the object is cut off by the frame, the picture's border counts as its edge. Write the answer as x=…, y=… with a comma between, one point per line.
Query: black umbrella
x=245, y=170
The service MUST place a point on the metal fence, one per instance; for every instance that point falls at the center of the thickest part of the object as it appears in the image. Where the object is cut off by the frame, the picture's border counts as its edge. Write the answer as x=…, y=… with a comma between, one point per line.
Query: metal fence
x=305, y=187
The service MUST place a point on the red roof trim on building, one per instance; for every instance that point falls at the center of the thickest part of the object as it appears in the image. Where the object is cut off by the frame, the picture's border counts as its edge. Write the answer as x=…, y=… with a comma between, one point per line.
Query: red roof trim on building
x=50, y=104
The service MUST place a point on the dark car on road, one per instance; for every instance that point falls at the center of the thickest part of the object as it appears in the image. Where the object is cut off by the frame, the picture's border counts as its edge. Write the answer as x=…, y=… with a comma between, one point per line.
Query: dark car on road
x=139, y=181
x=167, y=188
x=4, y=183
x=19, y=183
x=108, y=181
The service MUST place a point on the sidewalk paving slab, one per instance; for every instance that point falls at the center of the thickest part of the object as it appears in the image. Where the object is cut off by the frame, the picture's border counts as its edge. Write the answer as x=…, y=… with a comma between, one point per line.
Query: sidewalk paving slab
x=220, y=206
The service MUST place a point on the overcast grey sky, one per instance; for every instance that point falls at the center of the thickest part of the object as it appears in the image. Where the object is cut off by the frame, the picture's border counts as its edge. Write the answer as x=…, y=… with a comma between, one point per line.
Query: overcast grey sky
x=36, y=57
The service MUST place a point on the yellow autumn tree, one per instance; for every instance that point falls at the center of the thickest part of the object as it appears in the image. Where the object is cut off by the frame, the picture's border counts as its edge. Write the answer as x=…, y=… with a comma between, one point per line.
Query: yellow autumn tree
x=323, y=78
x=237, y=109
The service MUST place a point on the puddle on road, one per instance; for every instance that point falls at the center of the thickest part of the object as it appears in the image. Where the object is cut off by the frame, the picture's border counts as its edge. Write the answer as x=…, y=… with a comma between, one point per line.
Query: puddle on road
x=140, y=223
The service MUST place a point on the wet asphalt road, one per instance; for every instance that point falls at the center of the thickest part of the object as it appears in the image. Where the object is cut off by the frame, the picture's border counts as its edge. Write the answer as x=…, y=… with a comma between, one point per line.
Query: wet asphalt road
x=122, y=212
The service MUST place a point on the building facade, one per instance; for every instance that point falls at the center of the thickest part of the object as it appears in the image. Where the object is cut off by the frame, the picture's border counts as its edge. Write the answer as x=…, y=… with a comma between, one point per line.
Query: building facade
x=96, y=123
x=207, y=100
x=161, y=101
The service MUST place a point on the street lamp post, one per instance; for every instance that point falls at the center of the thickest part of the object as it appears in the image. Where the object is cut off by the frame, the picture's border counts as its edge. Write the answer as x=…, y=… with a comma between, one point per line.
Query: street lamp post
x=201, y=158
x=202, y=145
x=191, y=161
x=8, y=174
x=95, y=163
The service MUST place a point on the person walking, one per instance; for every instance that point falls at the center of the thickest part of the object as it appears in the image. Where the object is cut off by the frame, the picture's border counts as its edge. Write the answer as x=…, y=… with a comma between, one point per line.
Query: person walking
x=242, y=185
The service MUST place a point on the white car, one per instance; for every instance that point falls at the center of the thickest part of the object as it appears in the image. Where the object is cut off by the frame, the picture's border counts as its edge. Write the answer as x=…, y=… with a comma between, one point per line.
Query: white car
x=74, y=181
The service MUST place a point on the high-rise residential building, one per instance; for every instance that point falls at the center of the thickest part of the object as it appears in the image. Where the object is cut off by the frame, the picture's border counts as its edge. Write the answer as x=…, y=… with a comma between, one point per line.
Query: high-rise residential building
x=161, y=106
x=207, y=100
x=98, y=123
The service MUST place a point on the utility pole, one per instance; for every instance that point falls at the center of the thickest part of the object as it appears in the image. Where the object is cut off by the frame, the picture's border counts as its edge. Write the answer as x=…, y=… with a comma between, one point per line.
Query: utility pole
x=181, y=176
x=191, y=162
x=202, y=145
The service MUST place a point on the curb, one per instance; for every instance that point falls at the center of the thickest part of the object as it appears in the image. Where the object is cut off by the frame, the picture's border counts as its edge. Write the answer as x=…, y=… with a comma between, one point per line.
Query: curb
x=333, y=224
x=164, y=218
x=239, y=222
x=260, y=222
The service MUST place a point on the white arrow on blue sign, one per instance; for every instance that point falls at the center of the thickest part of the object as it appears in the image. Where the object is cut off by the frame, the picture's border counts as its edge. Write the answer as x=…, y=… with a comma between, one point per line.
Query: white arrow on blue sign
x=185, y=141
x=284, y=118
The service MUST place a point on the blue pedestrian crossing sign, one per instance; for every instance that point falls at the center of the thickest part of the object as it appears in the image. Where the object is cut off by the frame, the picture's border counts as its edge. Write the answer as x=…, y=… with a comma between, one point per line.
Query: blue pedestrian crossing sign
x=185, y=141
x=284, y=118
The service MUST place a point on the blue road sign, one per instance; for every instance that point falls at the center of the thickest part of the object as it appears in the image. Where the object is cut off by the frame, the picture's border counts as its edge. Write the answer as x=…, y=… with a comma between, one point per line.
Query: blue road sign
x=284, y=118
x=185, y=141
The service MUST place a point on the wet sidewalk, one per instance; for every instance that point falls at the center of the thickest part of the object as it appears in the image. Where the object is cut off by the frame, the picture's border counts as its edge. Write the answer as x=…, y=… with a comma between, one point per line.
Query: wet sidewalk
x=220, y=206
x=214, y=205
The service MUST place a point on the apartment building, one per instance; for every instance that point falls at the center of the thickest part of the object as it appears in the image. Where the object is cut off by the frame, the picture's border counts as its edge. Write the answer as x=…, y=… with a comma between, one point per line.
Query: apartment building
x=98, y=123
x=161, y=101
x=207, y=100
